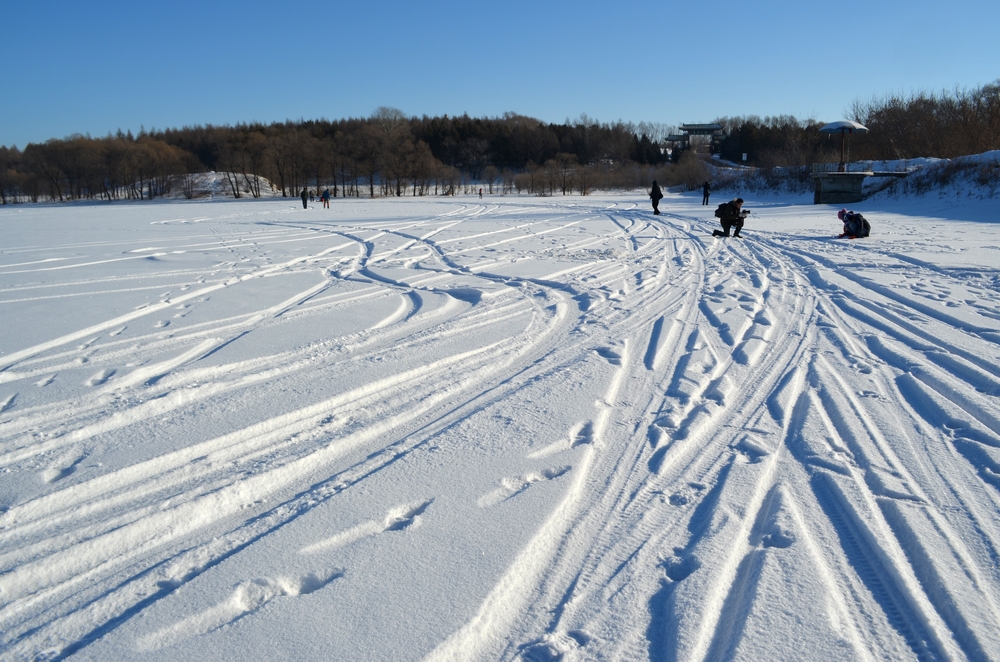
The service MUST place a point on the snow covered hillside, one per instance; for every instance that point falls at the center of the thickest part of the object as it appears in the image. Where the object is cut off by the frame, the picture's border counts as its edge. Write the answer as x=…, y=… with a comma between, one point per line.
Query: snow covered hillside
x=515, y=428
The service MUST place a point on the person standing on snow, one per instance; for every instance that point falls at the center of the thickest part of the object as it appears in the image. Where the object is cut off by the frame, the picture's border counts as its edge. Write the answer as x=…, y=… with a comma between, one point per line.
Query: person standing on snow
x=656, y=195
x=305, y=198
x=705, y=190
x=326, y=198
x=730, y=214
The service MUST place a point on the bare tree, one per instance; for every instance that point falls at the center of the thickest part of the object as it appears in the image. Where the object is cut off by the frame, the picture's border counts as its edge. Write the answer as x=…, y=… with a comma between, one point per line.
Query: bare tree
x=282, y=157
x=508, y=180
x=475, y=156
x=449, y=179
x=491, y=175
x=586, y=176
x=565, y=165
x=43, y=160
x=366, y=148
x=422, y=168
x=10, y=184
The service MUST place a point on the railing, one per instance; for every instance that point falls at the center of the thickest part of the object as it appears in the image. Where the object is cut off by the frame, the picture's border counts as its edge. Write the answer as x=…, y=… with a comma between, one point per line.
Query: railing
x=856, y=166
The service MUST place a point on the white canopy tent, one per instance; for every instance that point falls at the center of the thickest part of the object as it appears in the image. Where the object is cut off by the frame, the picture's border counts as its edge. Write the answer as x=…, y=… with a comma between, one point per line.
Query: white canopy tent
x=843, y=127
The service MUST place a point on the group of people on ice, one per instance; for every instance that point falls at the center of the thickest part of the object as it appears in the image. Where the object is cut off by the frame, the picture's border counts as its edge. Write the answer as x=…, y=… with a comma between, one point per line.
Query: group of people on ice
x=731, y=216
x=307, y=196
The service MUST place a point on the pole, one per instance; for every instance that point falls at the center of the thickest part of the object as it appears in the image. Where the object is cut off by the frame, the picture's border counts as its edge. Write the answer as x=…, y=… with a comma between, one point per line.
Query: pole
x=842, y=167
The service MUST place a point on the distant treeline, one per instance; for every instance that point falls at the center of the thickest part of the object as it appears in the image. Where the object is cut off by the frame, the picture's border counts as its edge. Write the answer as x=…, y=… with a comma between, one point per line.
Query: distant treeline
x=391, y=154
x=385, y=154
x=945, y=125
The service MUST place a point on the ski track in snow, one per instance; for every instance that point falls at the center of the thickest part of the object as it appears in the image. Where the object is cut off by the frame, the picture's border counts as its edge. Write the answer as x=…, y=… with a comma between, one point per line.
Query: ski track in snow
x=775, y=448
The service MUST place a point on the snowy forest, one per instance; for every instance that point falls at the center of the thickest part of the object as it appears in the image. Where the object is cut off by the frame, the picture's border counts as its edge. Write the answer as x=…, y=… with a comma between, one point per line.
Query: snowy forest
x=390, y=154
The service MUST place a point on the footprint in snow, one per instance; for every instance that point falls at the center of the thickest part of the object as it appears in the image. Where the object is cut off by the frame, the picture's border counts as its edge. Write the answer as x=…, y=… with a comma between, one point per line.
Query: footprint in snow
x=247, y=598
x=610, y=355
x=64, y=467
x=679, y=499
x=679, y=568
x=688, y=494
x=555, y=646
x=397, y=519
x=579, y=434
x=778, y=537
x=511, y=487
x=7, y=403
x=584, y=434
x=405, y=517
x=100, y=378
x=753, y=448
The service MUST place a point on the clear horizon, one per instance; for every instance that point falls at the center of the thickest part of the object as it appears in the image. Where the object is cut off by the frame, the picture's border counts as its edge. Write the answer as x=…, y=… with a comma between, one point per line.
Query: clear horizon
x=110, y=65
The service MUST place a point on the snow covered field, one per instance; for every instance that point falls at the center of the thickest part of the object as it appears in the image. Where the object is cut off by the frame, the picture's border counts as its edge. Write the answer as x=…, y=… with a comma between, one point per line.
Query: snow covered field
x=535, y=428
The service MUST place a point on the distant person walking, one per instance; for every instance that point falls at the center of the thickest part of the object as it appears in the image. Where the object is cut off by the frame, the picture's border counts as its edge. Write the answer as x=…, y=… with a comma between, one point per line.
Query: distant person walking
x=656, y=195
x=480, y=194
x=706, y=188
x=305, y=198
x=326, y=198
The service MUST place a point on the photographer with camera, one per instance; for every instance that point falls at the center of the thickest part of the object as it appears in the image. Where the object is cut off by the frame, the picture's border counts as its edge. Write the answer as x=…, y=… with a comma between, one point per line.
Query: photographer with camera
x=731, y=214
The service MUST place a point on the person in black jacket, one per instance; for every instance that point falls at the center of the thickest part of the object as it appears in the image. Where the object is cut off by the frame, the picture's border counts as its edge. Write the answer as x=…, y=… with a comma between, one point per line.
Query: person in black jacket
x=706, y=188
x=731, y=214
x=305, y=198
x=656, y=195
x=855, y=225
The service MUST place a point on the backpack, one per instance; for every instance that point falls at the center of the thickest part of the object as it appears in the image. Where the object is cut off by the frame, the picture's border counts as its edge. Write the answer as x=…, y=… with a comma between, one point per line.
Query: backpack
x=718, y=210
x=857, y=225
x=865, y=226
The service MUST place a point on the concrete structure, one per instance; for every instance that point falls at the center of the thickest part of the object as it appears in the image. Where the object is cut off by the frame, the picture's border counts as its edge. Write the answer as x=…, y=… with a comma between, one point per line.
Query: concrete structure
x=839, y=183
x=837, y=188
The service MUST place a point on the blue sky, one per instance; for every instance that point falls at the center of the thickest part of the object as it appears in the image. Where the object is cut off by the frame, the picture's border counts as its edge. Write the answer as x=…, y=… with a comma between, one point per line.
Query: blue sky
x=94, y=67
